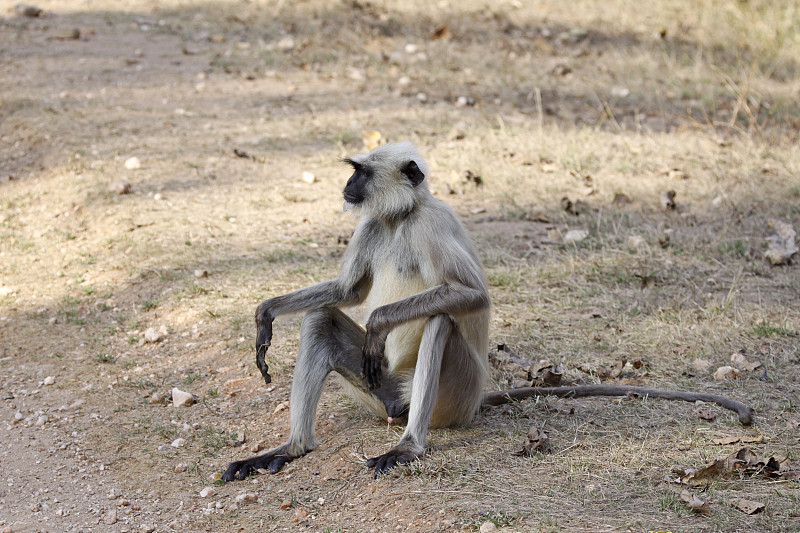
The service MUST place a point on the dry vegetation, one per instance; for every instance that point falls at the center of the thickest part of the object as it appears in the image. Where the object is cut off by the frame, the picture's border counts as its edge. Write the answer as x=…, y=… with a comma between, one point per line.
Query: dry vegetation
x=586, y=100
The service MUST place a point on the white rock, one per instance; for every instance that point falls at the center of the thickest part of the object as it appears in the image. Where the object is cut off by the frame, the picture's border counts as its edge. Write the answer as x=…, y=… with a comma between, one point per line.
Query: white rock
x=133, y=163
x=620, y=92
x=488, y=527
x=634, y=241
x=49, y=380
x=208, y=491
x=178, y=443
x=308, y=177
x=181, y=398
x=246, y=498
x=111, y=517
x=411, y=48
x=42, y=420
x=575, y=235
x=152, y=335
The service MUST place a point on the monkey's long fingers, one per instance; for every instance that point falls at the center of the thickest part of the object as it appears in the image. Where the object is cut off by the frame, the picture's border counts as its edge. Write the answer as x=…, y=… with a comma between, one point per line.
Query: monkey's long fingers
x=371, y=368
x=261, y=353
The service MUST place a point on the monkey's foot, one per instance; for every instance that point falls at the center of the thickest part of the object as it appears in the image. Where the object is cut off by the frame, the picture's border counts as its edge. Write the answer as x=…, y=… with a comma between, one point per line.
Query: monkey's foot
x=273, y=460
x=401, y=454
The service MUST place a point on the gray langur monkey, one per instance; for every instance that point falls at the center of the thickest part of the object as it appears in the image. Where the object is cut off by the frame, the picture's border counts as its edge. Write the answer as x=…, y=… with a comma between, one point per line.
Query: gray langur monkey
x=425, y=349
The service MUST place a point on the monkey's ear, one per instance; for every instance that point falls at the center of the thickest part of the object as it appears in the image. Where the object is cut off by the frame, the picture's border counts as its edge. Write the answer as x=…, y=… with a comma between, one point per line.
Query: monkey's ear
x=413, y=173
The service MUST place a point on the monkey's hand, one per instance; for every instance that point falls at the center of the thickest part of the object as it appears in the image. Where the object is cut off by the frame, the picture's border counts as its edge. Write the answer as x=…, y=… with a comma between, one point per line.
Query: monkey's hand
x=263, y=339
x=372, y=358
x=403, y=453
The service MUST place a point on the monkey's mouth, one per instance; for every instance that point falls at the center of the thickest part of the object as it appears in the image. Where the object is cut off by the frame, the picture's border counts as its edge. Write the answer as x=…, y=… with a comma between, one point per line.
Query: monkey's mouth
x=352, y=199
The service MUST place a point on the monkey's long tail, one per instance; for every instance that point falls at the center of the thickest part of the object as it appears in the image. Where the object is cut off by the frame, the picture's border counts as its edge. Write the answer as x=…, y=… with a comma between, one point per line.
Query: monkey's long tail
x=506, y=396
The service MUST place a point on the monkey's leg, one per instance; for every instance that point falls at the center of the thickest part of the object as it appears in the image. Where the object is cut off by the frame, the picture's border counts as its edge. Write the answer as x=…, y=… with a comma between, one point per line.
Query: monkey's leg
x=438, y=331
x=329, y=341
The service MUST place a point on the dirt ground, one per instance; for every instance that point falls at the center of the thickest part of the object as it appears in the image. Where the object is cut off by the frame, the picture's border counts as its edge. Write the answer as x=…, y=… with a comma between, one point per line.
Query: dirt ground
x=122, y=278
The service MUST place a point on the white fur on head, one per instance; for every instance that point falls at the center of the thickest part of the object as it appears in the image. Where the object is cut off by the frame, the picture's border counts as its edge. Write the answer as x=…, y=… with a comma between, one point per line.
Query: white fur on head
x=390, y=192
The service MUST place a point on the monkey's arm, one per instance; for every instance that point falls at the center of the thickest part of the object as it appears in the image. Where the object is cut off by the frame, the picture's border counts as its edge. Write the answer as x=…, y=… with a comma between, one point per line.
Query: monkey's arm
x=506, y=396
x=452, y=299
x=350, y=287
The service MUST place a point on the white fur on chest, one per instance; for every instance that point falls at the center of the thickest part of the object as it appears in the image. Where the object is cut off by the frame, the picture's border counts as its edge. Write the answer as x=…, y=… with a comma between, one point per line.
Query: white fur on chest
x=402, y=344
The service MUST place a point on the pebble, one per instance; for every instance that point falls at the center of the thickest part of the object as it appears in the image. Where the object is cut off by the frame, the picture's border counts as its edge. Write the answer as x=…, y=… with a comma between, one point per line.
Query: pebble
x=42, y=420
x=110, y=517
x=575, y=235
x=180, y=468
x=49, y=380
x=133, y=163
x=280, y=407
x=201, y=273
x=286, y=504
x=152, y=335
x=181, y=398
x=300, y=514
x=488, y=527
x=146, y=528
x=67, y=34
x=27, y=10
x=634, y=241
x=208, y=491
x=308, y=177
x=120, y=187
x=178, y=443
x=247, y=498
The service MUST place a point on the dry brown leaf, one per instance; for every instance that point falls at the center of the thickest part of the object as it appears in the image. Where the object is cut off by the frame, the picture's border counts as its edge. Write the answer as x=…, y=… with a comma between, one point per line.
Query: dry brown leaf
x=616, y=370
x=739, y=359
x=621, y=199
x=442, y=33
x=668, y=200
x=747, y=460
x=545, y=373
x=372, y=139
x=787, y=475
x=782, y=245
x=747, y=506
x=727, y=372
x=695, y=504
x=535, y=441
x=707, y=474
x=705, y=413
x=701, y=364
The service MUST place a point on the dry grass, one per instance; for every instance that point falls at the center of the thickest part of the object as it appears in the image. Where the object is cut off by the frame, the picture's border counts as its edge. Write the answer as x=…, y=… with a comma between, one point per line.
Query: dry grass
x=570, y=98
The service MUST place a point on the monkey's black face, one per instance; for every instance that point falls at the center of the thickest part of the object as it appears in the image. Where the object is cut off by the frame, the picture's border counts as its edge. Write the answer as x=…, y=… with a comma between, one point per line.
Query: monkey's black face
x=356, y=189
